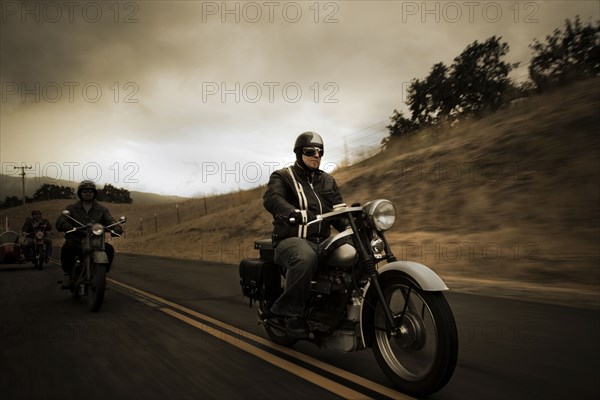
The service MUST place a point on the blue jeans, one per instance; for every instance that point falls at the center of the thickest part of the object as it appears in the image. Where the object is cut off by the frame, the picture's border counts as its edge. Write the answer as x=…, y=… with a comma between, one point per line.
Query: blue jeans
x=299, y=258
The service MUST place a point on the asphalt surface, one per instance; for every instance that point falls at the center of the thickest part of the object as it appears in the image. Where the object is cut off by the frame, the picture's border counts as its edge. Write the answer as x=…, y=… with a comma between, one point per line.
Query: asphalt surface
x=174, y=329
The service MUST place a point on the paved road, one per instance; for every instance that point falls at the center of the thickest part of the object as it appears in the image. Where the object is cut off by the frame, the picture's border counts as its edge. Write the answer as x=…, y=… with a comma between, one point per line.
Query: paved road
x=173, y=329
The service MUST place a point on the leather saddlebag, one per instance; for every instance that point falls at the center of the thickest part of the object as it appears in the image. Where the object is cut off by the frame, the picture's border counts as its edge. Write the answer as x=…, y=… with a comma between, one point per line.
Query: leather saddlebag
x=260, y=280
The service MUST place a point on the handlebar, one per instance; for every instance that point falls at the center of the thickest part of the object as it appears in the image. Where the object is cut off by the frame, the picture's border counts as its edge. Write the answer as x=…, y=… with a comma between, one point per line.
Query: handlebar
x=330, y=214
x=67, y=214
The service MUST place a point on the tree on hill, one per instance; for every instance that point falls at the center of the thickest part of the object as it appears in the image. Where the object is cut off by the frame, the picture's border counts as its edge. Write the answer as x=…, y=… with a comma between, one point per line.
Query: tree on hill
x=431, y=99
x=11, y=201
x=52, y=192
x=566, y=55
x=400, y=126
x=475, y=82
x=112, y=194
x=479, y=77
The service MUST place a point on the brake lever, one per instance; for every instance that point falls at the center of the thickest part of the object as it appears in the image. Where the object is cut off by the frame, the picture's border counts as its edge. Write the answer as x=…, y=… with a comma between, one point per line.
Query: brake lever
x=114, y=233
x=318, y=218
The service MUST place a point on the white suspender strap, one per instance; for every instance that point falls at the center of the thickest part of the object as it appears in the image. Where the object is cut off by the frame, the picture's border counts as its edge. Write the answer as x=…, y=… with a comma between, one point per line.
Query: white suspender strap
x=303, y=203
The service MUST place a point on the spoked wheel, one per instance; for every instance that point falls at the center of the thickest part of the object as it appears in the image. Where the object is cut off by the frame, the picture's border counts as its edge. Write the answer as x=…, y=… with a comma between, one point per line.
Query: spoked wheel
x=75, y=289
x=76, y=279
x=41, y=254
x=97, y=286
x=419, y=355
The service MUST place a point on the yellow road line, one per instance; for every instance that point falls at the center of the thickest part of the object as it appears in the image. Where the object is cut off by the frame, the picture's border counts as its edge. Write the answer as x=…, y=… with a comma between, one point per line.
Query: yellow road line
x=302, y=357
x=303, y=373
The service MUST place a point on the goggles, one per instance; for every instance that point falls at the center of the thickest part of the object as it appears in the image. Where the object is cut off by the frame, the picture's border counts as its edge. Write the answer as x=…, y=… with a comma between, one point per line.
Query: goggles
x=312, y=151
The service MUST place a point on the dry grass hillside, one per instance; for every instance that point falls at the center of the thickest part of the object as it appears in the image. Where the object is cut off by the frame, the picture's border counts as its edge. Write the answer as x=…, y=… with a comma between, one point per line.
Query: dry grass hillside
x=512, y=196
x=11, y=185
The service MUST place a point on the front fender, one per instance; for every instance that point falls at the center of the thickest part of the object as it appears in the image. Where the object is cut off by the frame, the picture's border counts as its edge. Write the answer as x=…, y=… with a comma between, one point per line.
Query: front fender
x=420, y=274
x=100, y=257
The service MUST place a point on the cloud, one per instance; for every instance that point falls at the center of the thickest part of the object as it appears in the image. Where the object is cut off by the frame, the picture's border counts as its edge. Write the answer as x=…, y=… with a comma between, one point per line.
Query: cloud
x=169, y=85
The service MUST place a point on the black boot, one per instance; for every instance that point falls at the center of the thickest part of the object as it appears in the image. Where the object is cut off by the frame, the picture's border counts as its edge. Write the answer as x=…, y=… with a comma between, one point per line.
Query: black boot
x=296, y=327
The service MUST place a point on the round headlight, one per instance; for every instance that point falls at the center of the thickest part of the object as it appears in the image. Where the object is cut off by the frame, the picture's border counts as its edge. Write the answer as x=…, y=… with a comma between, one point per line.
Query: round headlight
x=39, y=235
x=97, y=229
x=381, y=214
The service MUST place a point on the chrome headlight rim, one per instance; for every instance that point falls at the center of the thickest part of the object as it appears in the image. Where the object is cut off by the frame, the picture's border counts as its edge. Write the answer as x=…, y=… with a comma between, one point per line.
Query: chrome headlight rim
x=39, y=235
x=380, y=214
x=97, y=229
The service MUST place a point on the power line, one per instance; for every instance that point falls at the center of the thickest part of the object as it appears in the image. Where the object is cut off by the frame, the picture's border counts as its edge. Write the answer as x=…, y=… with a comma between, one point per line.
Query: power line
x=23, y=168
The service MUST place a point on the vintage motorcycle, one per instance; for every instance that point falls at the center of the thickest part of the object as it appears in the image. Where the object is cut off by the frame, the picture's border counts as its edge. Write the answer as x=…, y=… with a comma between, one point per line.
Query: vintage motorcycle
x=37, y=253
x=89, y=272
x=359, y=301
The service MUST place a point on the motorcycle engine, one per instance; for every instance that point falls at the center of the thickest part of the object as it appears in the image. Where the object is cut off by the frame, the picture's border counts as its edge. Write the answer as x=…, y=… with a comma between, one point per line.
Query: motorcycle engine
x=330, y=290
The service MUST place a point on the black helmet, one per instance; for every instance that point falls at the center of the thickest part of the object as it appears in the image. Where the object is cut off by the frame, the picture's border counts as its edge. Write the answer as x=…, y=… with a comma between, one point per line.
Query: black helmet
x=307, y=139
x=87, y=185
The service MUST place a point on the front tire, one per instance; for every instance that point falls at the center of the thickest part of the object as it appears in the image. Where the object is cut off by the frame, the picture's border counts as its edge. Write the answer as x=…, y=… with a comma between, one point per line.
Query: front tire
x=40, y=256
x=420, y=359
x=97, y=286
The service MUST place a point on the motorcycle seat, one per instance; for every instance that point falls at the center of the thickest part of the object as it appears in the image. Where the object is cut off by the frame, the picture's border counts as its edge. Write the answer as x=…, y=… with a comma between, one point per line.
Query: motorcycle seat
x=265, y=249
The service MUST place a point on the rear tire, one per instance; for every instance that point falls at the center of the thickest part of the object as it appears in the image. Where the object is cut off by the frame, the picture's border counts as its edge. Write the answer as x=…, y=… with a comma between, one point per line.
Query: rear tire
x=75, y=292
x=277, y=334
x=97, y=286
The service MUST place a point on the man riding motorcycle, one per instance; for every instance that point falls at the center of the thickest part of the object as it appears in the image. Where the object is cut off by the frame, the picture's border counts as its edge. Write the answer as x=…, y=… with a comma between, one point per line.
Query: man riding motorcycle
x=29, y=229
x=87, y=210
x=294, y=196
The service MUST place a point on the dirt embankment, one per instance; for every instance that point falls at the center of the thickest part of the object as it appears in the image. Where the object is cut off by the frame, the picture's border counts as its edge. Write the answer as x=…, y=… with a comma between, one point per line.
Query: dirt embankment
x=506, y=202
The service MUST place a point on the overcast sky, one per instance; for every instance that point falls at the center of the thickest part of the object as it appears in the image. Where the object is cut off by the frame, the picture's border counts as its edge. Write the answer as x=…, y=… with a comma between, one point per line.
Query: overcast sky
x=195, y=97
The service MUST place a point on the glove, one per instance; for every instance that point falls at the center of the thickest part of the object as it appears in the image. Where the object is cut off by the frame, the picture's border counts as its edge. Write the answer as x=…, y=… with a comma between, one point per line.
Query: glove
x=66, y=226
x=295, y=218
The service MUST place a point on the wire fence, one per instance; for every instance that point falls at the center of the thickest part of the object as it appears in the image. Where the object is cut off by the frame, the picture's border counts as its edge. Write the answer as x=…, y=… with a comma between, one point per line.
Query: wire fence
x=356, y=147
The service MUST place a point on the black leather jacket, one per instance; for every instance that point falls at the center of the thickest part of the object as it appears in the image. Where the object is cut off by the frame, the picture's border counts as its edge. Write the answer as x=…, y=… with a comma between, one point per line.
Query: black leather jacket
x=98, y=213
x=319, y=194
x=29, y=229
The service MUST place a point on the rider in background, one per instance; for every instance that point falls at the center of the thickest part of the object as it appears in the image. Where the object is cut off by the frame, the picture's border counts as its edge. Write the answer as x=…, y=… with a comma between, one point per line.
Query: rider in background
x=29, y=229
x=87, y=210
x=300, y=192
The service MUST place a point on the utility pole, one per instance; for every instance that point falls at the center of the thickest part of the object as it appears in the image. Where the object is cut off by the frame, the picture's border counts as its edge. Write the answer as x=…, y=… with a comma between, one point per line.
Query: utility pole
x=346, y=155
x=22, y=168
